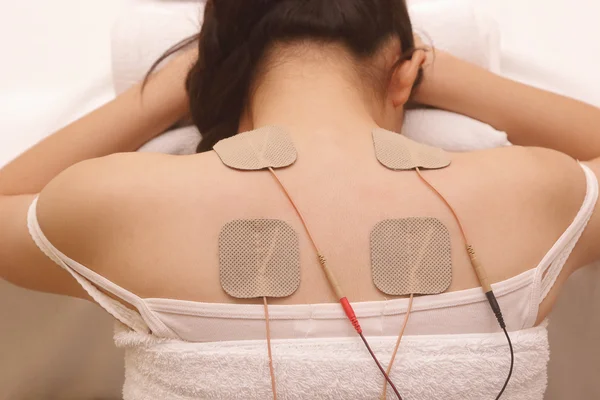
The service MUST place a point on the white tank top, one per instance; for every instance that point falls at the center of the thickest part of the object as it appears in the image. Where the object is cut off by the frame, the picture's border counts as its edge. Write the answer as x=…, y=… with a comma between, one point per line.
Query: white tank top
x=453, y=348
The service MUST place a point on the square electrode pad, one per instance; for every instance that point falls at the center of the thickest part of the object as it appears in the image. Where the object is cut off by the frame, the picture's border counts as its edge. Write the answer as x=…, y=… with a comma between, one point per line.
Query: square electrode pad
x=411, y=256
x=397, y=152
x=268, y=147
x=259, y=258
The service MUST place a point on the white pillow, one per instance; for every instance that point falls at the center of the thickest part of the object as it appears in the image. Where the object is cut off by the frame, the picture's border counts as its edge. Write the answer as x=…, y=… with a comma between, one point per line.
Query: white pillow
x=143, y=34
x=462, y=28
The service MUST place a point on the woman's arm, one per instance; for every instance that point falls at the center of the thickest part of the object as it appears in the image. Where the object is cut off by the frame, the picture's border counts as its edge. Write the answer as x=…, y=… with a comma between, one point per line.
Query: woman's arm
x=530, y=116
x=120, y=126
x=123, y=125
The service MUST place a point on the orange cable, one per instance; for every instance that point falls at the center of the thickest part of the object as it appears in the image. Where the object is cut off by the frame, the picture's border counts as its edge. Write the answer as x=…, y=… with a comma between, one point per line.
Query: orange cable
x=481, y=275
x=441, y=196
x=271, y=367
x=477, y=265
x=328, y=272
x=389, y=370
x=463, y=232
x=297, y=210
x=335, y=286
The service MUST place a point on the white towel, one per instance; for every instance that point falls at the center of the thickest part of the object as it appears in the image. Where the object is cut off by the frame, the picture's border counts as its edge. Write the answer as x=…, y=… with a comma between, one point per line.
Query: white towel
x=458, y=26
x=450, y=367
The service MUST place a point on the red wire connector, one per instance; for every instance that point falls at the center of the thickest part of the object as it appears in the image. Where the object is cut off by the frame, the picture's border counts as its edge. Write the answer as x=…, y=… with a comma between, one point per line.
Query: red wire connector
x=351, y=315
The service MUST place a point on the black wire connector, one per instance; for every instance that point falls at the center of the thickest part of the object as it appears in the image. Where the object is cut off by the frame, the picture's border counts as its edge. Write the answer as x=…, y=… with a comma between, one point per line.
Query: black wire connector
x=498, y=312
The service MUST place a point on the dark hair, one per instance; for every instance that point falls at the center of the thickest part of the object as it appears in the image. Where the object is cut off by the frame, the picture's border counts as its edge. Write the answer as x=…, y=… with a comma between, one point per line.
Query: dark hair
x=237, y=33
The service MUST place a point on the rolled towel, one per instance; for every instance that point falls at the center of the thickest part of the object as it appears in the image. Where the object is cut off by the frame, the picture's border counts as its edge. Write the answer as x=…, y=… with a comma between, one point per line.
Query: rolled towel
x=461, y=27
x=180, y=142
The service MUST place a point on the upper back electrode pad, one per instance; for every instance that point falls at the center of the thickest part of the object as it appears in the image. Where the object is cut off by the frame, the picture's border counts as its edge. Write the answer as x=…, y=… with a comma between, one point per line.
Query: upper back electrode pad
x=268, y=147
x=399, y=153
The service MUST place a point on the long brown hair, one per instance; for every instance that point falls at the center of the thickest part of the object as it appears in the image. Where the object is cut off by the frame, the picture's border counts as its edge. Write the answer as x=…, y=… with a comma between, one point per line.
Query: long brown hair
x=237, y=33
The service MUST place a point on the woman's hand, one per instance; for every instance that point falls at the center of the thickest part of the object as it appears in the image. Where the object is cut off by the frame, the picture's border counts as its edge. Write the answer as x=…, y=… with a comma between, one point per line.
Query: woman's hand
x=175, y=74
x=122, y=125
x=529, y=116
x=433, y=69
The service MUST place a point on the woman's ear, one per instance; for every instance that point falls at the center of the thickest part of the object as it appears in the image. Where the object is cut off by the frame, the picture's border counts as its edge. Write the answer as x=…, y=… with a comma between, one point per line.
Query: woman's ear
x=404, y=78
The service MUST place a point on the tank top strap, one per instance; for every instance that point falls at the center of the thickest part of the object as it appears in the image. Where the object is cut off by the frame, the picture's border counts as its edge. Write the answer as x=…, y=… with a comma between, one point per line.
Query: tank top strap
x=98, y=287
x=553, y=263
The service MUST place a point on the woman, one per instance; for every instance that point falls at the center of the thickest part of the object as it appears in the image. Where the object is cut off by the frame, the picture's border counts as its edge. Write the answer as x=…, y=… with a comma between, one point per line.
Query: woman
x=143, y=228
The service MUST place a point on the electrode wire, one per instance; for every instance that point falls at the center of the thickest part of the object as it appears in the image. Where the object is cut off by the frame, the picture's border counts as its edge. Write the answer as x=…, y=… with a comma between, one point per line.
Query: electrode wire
x=512, y=364
x=490, y=295
x=344, y=301
x=271, y=367
x=441, y=196
x=389, y=369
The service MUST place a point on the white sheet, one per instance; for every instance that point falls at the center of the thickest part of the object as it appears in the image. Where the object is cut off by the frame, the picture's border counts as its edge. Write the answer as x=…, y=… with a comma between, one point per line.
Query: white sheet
x=550, y=43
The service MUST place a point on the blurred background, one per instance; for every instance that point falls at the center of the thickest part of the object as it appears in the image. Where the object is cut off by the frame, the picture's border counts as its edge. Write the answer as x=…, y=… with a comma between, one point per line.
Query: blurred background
x=54, y=54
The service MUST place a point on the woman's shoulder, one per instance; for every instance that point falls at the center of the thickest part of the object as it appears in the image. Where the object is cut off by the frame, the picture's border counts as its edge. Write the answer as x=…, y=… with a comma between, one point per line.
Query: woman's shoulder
x=136, y=165
x=93, y=197
x=131, y=175
x=529, y=172
x=527, y=161
x=535, y=193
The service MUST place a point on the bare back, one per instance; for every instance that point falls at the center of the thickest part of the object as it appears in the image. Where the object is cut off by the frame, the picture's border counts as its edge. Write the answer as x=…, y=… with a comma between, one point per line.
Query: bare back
x=165, y=213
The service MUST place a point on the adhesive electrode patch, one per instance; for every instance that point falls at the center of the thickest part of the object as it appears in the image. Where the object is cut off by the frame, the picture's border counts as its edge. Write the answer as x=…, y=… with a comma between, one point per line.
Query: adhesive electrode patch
x=268, y=147
x=397, y=152
x=259, y=258
x=411, y=256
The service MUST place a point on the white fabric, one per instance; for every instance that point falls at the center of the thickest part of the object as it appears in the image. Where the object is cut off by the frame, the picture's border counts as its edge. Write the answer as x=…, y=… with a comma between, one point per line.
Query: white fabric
x=458, y=26
x=180, y=141
x=143, y=33
x=450, y=367
x=232, y=352
x=466, y=30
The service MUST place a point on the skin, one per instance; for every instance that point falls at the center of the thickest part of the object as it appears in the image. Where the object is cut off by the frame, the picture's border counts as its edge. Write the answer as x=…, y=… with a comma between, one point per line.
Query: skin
x=131, y=215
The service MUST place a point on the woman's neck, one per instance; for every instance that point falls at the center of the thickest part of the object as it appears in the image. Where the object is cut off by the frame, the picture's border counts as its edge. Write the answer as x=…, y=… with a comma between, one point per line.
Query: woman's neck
x=314, y=101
